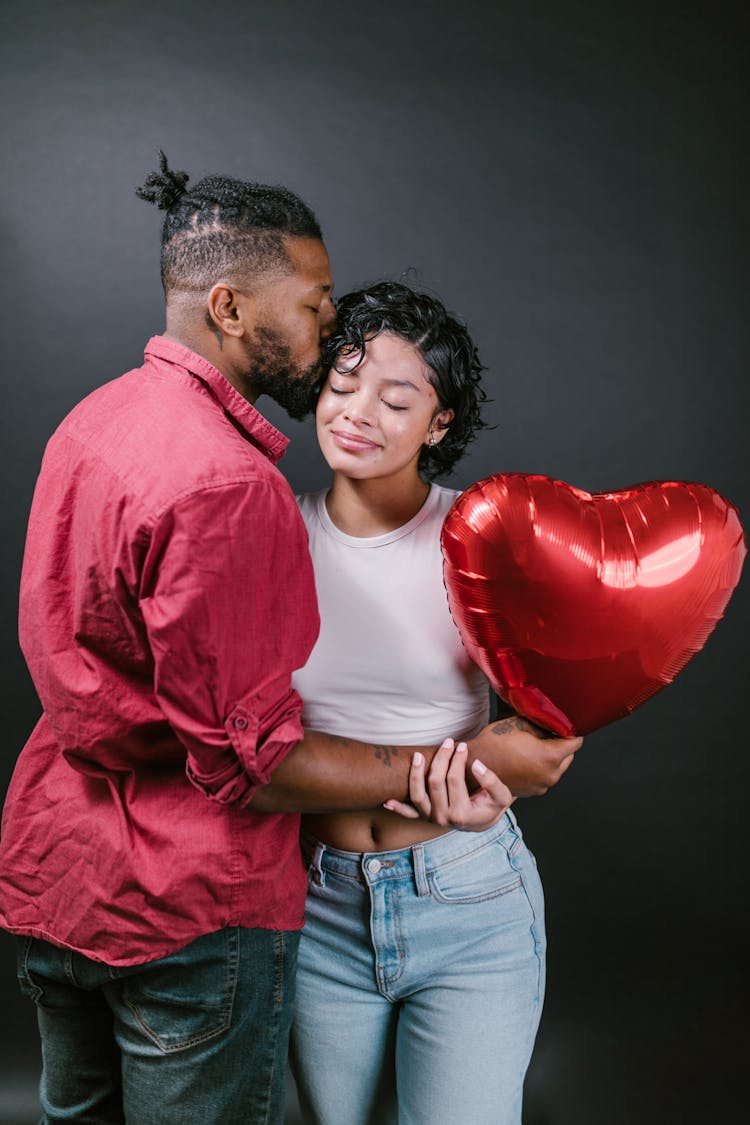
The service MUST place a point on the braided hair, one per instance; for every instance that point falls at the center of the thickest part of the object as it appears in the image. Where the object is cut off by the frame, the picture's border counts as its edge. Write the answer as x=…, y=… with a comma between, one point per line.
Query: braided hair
x=223, y=228
x=443, y=343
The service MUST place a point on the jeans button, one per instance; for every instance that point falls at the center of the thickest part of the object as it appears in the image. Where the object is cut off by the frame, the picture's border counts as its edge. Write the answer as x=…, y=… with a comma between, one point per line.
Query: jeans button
x=373, y=866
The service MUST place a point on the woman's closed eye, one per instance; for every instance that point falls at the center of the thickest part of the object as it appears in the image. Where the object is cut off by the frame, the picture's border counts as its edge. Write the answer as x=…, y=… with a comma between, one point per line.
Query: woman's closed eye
x=350, y=390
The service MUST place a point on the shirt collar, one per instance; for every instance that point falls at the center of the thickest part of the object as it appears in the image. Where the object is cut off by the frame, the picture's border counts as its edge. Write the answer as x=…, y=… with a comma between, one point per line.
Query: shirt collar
x=271, y=441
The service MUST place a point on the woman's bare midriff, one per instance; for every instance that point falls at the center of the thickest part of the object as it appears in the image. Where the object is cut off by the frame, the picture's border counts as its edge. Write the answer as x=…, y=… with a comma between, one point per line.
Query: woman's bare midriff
x=374, y=830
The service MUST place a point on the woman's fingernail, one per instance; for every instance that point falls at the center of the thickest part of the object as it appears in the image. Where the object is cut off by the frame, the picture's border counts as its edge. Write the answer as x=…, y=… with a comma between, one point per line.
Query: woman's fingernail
x=446, y=743
x=478, y=768
x=461, y=748
x=418, y=758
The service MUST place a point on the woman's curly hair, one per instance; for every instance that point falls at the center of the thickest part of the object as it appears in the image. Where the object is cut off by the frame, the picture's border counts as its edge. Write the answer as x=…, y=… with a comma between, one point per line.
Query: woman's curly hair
x=444, y=344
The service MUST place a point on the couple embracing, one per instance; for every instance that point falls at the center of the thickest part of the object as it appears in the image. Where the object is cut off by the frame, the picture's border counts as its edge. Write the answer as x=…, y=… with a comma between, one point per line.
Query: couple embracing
x=214, y=658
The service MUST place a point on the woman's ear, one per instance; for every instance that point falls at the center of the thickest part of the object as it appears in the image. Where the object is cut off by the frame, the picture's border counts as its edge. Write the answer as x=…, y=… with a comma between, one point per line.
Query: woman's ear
x=439, y=426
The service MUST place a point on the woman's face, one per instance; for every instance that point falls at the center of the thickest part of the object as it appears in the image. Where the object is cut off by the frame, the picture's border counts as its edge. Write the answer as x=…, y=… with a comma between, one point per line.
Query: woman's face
x=373, y=418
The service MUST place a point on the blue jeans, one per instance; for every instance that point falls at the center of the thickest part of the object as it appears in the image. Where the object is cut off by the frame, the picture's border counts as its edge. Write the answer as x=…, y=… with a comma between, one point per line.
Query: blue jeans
x=198, y=1036
x=420, y=981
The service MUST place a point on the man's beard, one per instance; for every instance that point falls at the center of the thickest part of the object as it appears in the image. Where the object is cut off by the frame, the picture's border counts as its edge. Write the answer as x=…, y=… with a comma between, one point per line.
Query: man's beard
x=275, y=374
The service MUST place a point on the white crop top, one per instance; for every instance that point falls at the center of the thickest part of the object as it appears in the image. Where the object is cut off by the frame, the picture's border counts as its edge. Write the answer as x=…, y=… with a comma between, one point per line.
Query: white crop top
x=389, y=664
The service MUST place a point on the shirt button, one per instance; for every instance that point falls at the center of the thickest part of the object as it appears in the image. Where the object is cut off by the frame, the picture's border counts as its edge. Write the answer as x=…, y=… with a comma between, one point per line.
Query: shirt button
x=373, y=866
x=240, y=723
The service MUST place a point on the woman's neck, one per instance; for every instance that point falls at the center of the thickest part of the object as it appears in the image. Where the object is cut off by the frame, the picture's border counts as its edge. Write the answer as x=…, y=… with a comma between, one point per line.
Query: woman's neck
x=365, y=508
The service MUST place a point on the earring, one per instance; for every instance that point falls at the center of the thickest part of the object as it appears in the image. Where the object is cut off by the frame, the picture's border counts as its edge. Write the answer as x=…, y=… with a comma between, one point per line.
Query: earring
x=433, y=439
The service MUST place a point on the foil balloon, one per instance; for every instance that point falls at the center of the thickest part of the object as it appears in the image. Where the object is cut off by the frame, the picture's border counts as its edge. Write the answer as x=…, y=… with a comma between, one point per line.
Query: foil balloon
x=579, y=607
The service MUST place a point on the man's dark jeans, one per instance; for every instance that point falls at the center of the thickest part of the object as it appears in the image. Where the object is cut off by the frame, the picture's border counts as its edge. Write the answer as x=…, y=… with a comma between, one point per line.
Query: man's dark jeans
x=197, y=1037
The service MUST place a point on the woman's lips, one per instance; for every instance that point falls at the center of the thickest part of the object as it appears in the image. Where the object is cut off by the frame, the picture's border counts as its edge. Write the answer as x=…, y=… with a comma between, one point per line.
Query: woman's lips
x=352, y=441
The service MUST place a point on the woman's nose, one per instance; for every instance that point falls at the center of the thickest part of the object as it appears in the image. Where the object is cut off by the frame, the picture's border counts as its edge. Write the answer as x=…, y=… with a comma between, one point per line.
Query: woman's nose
x=358, y=409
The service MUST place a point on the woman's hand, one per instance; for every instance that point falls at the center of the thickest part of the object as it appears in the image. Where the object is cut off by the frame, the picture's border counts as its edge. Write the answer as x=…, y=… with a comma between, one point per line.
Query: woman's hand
x=445, y=798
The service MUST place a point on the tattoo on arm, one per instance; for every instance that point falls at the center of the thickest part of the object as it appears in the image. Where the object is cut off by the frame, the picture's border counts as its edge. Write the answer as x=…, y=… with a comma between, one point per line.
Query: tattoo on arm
x=385, y=752
x=517, y=722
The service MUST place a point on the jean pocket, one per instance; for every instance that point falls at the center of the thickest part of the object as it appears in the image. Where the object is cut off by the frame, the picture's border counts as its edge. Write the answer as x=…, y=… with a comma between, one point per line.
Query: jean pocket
x=186, y=998
x=28, y=985
x=482, y=875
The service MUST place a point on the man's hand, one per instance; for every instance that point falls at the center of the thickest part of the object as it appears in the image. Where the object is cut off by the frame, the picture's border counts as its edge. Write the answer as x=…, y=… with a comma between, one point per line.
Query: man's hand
x=326, y=773
x=445, y=799
x=528, y=759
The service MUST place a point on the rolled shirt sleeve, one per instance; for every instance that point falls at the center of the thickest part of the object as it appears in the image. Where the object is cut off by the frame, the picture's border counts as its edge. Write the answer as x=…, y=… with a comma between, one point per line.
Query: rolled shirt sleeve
x=228, y=602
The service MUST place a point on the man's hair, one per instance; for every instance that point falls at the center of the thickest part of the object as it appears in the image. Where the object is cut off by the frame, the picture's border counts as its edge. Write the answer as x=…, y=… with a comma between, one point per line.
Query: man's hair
x=443, y=343
x=223, y=228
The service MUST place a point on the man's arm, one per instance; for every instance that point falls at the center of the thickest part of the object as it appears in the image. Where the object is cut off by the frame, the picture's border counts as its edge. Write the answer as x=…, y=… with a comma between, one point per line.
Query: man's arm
x=323, y=773
x=326, y=773
x=215, y=603
x=528, y=759
x=227, y=597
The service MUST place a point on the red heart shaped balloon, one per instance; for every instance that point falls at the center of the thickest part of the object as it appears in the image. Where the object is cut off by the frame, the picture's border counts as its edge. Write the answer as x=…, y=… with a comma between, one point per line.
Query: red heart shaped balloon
x=579, y=607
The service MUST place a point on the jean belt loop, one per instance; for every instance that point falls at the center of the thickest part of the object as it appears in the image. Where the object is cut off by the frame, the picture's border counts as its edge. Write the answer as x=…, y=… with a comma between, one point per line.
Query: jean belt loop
x=317, y=864
x=420, y=875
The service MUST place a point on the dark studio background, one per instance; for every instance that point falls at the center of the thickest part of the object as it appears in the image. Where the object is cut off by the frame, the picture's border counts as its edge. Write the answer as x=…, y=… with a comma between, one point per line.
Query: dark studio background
x=573, y=179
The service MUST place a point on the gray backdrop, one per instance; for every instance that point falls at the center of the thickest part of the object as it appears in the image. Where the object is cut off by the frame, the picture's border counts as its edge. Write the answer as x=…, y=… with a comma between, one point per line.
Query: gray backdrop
x=573, y=179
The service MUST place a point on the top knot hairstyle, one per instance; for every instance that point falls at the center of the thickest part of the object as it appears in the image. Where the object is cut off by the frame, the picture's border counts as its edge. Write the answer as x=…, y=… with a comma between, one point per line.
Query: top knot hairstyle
x=444, y=344
x=223, y=229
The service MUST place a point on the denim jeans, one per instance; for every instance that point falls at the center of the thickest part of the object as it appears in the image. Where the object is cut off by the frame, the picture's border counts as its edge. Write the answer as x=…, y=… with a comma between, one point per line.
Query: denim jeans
x=420, y=981
x=200, y=1036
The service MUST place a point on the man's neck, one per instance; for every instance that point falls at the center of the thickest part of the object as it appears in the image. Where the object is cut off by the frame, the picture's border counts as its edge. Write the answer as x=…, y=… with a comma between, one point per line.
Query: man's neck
x=204, y=342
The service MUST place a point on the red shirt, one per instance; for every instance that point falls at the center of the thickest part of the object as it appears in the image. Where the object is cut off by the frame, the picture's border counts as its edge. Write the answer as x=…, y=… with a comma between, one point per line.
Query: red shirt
x=167, y=595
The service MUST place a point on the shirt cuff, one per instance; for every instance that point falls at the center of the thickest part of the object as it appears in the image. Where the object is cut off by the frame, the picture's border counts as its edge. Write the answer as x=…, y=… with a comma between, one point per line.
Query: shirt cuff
x=258, y=746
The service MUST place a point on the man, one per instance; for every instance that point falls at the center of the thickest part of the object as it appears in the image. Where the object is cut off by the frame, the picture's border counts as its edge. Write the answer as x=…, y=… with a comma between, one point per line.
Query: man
x=149, y=850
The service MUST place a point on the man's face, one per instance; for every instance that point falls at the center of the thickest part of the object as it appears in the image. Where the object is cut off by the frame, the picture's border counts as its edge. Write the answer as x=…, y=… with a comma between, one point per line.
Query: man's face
x=293, y=316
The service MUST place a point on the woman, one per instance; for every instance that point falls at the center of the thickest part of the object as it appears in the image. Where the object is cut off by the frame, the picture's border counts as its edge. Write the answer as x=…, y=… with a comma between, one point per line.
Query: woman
x=421, y=968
